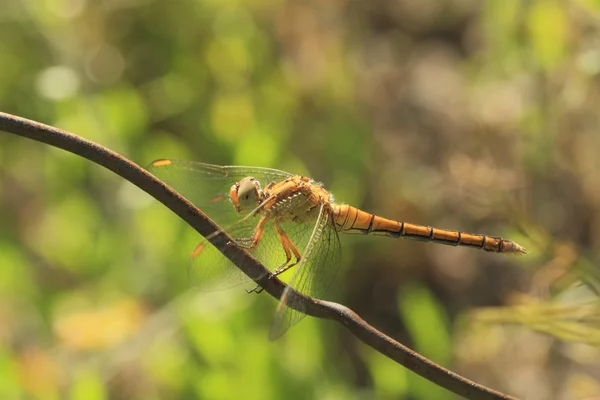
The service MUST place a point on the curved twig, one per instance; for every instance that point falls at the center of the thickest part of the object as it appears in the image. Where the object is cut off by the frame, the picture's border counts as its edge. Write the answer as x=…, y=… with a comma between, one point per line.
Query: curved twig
x=243, y=260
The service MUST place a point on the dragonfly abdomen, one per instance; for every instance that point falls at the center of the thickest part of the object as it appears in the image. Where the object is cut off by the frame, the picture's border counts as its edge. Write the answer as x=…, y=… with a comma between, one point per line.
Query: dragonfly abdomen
x=349, y=219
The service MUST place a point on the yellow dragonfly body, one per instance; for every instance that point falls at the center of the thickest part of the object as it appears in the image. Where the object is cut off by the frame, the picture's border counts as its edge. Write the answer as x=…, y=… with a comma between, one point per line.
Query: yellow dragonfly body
x=288, y=221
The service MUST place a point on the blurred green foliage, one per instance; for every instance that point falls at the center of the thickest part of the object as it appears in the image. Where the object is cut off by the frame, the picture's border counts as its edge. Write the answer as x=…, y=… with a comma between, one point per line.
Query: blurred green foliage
x=479, y=116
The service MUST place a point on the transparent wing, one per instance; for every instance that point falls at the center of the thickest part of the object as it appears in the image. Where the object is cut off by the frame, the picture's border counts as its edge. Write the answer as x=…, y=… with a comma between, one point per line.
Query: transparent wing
x=315, y=273
x=211, y=270
x=207, y=186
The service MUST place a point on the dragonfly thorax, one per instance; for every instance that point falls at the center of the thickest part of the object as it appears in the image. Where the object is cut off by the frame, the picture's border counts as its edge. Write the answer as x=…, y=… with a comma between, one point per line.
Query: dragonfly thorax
x=246, y=194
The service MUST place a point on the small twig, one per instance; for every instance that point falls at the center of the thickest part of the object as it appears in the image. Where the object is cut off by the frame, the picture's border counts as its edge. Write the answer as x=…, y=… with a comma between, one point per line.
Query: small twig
x=244, y=260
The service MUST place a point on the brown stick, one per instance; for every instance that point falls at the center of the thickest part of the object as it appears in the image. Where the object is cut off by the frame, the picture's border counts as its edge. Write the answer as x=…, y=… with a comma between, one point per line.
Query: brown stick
x=248, y=264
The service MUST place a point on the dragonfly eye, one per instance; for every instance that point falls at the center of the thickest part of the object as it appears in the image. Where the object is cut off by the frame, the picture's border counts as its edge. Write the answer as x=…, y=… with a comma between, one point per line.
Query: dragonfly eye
x=246, y=194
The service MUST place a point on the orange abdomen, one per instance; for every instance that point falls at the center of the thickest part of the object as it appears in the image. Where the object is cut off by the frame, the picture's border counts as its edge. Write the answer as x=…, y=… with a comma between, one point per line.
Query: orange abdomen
x=350, y=219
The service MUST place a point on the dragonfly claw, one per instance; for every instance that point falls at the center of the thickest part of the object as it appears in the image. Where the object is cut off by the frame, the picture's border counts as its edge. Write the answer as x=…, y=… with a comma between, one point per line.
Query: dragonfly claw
x=257, y=289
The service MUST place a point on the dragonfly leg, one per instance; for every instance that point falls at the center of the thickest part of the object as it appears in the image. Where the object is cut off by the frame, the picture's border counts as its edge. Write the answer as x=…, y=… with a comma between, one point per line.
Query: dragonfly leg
x=251, y=242
x=289, y=248
x=257, y=289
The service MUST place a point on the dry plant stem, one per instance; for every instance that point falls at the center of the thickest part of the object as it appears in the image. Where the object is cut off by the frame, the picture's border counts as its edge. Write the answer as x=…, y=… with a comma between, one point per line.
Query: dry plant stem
x=248, y=264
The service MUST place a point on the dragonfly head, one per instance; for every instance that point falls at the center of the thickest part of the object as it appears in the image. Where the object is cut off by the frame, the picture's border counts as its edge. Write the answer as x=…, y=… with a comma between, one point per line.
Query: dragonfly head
x=246, y=194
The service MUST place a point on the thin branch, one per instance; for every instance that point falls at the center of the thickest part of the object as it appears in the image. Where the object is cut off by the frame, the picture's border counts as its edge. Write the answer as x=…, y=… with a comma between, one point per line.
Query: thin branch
x=244, y=260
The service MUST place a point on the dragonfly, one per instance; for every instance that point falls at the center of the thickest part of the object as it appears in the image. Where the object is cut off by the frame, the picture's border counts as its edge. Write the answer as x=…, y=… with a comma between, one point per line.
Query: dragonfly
x=289, y=223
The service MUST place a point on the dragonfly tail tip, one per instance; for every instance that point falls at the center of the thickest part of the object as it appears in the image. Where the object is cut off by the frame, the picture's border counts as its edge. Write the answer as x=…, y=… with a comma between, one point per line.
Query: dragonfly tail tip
x=520, y=249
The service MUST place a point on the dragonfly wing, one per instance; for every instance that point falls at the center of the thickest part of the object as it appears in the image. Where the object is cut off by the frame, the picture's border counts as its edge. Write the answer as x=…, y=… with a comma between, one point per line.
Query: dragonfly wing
x=209, y=269
x=207, y=186
x=314, y=274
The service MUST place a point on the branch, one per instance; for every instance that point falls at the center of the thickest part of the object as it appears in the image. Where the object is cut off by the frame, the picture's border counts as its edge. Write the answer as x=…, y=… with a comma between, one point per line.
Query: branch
x=244, y=260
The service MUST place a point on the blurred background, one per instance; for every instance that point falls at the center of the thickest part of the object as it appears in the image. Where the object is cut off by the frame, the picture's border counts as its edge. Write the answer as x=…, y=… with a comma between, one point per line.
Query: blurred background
x=466, y=115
